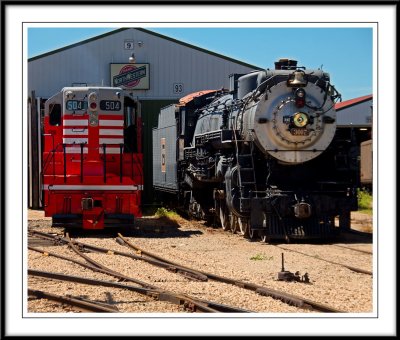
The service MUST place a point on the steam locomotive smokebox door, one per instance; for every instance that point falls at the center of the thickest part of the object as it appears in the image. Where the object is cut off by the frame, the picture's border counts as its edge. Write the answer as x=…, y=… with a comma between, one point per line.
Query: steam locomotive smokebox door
x=92, y=213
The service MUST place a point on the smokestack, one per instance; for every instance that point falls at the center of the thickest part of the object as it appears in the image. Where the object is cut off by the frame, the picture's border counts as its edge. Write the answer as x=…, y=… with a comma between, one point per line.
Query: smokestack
x=285, y=64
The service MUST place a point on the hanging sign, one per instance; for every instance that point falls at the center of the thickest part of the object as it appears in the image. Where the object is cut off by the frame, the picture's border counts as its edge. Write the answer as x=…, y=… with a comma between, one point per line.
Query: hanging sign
x=163, y=156
x=130, y=76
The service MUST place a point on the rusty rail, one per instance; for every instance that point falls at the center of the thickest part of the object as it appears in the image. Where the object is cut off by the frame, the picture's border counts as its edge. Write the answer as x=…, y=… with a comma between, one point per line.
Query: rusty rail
x=187, y=273
x=282, y=296
x=188, y=302
x=279, y=295
x=354, y=269
x=85, y=304
x=160, y=295
x=354, y=249
x=95, y=268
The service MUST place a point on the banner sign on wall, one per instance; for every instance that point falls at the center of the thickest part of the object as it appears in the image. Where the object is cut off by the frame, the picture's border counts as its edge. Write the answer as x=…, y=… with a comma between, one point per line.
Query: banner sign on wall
x=163, y=157
x=130, y=76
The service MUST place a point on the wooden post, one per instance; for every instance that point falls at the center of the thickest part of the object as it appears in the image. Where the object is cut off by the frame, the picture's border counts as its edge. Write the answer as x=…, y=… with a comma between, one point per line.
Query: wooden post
x=33, y=145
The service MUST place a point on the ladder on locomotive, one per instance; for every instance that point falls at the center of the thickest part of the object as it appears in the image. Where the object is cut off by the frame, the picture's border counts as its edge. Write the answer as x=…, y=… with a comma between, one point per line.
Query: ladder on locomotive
x=246, y=177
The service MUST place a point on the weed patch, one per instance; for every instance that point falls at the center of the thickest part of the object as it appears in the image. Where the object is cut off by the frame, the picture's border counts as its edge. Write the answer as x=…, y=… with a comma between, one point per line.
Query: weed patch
x=260, y=257
x=364, y=201
x=163, y=212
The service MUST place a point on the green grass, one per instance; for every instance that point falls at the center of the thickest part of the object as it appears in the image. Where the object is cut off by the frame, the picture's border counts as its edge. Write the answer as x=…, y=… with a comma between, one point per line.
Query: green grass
x=163, y=212
x=260, y=257
x=364, y=201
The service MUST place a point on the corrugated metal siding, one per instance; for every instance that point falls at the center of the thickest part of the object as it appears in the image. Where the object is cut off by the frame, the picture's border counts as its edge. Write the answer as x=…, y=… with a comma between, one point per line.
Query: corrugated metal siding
x=170, y=63
x=150, y=111
x=165, y=177
x=358, y=115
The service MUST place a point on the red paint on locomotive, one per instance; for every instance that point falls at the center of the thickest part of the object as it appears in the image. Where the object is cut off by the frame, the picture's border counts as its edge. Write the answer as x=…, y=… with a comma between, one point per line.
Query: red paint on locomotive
x=92, y=161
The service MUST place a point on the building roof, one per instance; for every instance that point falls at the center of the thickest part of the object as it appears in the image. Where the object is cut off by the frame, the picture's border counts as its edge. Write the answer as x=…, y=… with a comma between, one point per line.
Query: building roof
x=148, y=32
x=352, y=102
x=193, y=95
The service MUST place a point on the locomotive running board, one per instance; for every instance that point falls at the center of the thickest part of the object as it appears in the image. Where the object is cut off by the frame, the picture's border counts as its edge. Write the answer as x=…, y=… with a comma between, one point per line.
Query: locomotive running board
x=60, y=187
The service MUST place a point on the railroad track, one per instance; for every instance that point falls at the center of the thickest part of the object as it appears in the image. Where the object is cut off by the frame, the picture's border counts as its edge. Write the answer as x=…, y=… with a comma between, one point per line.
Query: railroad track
x=192, y=274
x=42, y=242
x=157, y=293
x=354, y=269
x=81, y=303
x=355, y=249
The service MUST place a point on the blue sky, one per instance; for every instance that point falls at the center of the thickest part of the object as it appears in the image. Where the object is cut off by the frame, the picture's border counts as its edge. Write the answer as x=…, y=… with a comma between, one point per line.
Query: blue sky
x=346, y=53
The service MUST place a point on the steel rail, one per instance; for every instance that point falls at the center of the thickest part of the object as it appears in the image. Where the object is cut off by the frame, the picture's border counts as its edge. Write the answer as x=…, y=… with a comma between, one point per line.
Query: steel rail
x=354, y=269
x=85, y=304
x=186, y=272
x=282, y=296
x=188, y=301
x=160, y=295
x=350, y=248
x=103, y=270
x=279, y=295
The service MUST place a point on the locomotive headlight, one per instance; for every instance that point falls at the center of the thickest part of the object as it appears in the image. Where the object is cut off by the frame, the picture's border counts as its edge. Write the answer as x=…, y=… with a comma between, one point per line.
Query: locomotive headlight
x=300, y=93
x=300, y=119
x=92, y=100
x=93, y=97
x=300, y=97
x=69, y=95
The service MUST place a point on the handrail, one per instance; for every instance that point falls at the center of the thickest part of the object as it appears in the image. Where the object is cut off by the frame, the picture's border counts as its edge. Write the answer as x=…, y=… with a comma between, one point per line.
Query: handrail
x=104, y=162
x=62, y=147
x=65, y=162
x=120, y=162
x=49, y=158
x=82, y=144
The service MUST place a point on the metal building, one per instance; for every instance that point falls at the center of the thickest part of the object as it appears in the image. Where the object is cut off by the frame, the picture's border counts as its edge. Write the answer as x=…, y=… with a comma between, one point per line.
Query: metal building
x=356, y=112
x=157, y=69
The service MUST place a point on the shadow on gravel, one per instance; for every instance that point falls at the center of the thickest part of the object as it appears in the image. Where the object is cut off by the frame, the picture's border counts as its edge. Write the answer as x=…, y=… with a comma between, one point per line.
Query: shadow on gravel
x=145, y=227
x=354, y=236
x=343, y=237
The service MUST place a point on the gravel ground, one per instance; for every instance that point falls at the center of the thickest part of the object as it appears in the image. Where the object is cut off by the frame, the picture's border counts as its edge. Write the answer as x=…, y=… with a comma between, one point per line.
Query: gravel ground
x=211, y=250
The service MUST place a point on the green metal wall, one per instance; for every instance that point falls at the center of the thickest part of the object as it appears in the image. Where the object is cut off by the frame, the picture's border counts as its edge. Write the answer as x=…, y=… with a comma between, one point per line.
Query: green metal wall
x=150, y=110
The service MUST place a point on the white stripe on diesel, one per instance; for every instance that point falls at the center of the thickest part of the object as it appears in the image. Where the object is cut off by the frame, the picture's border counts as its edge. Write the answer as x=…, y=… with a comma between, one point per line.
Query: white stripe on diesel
x=75, y=122
x=76, y=132
x=92, y=187
x=75, y=150
x=109, y=151
x=111, y=132
x=104, y=122
x=111, y=141
x=75, y=140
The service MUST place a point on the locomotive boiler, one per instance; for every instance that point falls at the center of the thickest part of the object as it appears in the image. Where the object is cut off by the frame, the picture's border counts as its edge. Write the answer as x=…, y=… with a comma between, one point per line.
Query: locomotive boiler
x=92, y=162
x=263, y=158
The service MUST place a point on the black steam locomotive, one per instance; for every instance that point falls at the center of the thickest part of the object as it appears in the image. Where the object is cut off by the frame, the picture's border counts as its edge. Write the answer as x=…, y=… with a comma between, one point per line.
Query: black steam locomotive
x=264, y=159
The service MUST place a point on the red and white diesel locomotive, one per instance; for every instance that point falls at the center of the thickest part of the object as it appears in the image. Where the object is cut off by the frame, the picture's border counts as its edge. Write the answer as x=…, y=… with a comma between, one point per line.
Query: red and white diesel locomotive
x=92, y=170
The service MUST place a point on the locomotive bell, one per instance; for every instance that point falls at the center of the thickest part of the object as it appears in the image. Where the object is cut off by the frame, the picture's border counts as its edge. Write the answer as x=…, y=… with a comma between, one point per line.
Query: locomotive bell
x=297, y=79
